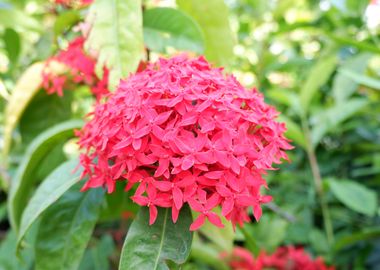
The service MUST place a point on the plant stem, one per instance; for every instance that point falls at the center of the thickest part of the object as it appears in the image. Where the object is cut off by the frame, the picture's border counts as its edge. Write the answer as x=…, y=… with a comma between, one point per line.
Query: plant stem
x=318, y=183
x=251, y=242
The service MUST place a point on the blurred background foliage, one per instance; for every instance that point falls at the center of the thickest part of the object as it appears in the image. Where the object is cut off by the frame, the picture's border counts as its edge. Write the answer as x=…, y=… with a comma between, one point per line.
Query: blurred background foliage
x=318, y=62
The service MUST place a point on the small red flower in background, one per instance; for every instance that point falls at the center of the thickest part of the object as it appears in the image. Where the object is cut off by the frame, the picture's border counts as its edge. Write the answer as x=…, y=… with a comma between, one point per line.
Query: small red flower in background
x=81, y=71
x=73, y=3
x=182, y=132
x=284, y=258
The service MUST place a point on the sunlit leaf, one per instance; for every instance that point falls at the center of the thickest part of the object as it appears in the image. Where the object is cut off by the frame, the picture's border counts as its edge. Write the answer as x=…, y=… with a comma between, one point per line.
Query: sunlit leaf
x=344, y=85
x=165, y=27
x=117, y=36
x=362, y=79
x=317, y=77
x=212, y=16
x=150, y=246
x=11, y=17
x=65, y=20
x=26, y=88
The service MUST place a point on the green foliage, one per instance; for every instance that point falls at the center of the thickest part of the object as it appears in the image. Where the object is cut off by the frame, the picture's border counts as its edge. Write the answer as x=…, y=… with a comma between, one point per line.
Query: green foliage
x=317, y=62
x=150, y=247
x=117, y=36
x=318, y=76
x=51, y=189
x=355, y=196
x=219, y=38
x=25, y=175
x=67, y=228
x=164, y=27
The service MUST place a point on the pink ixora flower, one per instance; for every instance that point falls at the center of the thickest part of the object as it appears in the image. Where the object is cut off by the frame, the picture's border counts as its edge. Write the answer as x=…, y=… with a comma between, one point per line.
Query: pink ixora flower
x=181, y=132
x=81, y=71
x=284, y=258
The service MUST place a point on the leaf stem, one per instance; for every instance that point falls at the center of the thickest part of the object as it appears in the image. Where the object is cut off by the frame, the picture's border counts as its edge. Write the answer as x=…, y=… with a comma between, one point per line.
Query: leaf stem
x=318, y=183
x=251, y=242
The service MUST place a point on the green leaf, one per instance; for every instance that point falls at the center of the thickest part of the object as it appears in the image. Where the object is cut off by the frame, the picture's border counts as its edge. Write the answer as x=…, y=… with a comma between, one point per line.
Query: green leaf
x=223, y=238
x=330, y=118
x=165, y=27
x=23, y=180
x=65, y=20
x=202, y=252
x=51, y=189
x=25, y=89
x=17, y=19
x=148, y=247
x=294, y=131
x=212, y=16
x=117, y=36
x=8, y=260
x=12, y=44
x=355, y=196
x=317, y=77
x=361, y=79
x=366, y=234
x=43, y=112
x=66, y=228
x=97, y=257
x=344, y=86
x=270, y=232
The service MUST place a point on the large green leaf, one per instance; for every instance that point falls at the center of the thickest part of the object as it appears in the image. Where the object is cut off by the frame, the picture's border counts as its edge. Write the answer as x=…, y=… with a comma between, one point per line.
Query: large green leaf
x=66, y=228
x=23, y=93
x=344, y=85
x=212, y=16
x=25, y=89
x=23, y=180
x=165, y=27
x=317, y=77
x=149, y=247
x=330, y=118
x=117, y=36
x=355, y=196
x=44, y=111
x=8, y=260
x=51, y=189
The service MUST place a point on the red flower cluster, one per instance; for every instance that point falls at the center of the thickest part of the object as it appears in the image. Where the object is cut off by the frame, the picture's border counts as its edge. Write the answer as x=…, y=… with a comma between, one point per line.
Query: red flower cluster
x=182, y=132
x=74, y=3
x=285, y=258
x=81, y=68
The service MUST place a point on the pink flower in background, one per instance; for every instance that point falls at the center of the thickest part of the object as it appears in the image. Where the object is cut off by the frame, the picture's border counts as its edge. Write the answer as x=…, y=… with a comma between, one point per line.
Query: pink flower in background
x=181, y=132
x=81, y=71
x=284, y=258
x=290, y=258
x=73, y=3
